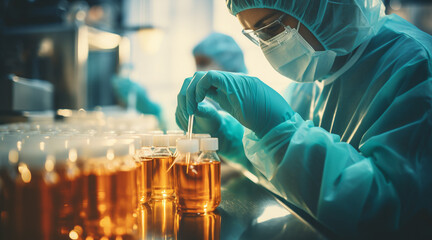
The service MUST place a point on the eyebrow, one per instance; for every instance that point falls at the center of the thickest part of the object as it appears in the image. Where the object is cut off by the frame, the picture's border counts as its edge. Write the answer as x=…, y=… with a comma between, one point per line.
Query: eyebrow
x=262, y=20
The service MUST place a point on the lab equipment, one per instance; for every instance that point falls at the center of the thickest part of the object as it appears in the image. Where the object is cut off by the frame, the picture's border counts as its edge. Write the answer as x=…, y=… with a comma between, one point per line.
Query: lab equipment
x=222, y=52
x=162, y=176
x=197, y=180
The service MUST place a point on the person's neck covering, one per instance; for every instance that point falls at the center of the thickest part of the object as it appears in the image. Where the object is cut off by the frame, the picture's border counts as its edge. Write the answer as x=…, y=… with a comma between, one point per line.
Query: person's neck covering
x=223, y=50
x=339, y=25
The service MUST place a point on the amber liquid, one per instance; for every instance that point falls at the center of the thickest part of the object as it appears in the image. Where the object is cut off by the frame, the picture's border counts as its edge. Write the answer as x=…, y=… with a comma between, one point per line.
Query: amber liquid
x=35, y=208
x=96, y=203
x=203, y=226
x=67, y=200
x=163, y=219
x=144, y=179
x=123, y=201
x=163, y=180
x=198, y=188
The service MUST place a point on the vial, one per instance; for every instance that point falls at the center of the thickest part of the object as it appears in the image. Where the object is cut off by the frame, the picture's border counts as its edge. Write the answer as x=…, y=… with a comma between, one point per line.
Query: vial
x=197, y=178
x=162, y=175
x=144, y=163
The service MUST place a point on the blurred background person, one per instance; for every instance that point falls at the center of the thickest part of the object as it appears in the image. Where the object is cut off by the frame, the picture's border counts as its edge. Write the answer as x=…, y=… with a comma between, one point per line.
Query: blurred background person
x=219, y=51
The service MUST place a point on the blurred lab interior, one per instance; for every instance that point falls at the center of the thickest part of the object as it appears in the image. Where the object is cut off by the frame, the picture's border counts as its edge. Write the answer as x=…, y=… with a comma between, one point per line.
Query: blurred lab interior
x=61, y=54
x=61, y=60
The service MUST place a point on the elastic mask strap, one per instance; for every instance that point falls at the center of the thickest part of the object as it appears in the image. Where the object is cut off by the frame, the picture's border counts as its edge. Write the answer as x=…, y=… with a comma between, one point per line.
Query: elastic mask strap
x=347, y=65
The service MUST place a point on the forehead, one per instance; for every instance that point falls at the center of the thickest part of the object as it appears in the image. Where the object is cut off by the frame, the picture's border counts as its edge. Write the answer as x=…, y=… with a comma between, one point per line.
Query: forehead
x=250, y=17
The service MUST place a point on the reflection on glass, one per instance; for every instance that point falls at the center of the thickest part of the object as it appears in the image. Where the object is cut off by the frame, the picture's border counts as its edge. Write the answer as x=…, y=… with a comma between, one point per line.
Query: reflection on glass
x=163, y=218
x=198, y=226
x=272, y=212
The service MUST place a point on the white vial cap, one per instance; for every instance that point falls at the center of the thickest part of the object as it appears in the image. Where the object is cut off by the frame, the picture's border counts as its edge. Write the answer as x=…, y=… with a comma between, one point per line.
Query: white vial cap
x=175, y=132
x=209, y=144
x=201, y=135
x=173, y=139
x=156, y=132
x=146, y=140
x=187, y=145
x=161, y=141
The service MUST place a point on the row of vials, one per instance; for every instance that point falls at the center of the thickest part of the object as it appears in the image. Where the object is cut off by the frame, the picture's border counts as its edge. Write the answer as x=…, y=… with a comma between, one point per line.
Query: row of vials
x=87, y=184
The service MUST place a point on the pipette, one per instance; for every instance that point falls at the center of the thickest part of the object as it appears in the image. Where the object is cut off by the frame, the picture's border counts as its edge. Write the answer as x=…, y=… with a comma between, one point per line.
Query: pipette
x=189, y=136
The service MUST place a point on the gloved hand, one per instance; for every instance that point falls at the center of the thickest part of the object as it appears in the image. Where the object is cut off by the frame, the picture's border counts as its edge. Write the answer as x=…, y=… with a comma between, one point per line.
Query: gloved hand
x=254, y=104
x=218, y=123
x=123, y=87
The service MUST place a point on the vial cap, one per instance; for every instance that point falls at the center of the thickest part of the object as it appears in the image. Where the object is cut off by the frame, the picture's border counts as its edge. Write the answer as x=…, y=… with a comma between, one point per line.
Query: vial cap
x=161, y=141
x=187, y=145
x=146, y=140
x=175, y=132
x=173, y=139
x=156, y=132
x=201, y=135
x=209, y=144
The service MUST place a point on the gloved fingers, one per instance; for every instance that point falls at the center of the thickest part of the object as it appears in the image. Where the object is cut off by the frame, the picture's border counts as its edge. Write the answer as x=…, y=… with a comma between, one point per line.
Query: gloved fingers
x=181, y=96
x=213, y=80
x=190, y=93
x=181, y=115
x=206, y=109
x=181, y=119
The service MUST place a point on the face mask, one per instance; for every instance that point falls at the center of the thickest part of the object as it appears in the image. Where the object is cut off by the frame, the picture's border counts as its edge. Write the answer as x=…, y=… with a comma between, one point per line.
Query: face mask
x=292, y=56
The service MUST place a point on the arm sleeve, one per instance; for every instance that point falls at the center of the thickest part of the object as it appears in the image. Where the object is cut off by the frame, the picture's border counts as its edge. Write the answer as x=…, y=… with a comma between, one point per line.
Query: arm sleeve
x=371, y=190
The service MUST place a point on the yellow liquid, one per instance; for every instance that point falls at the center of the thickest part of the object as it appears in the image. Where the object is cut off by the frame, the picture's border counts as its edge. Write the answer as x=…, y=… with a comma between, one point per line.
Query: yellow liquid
x=144, y=179
x=162, y=181
x=203, y=226
x=163, y=219
x=198, y=188
x=124, y=201
x=96, y=203
x=35, y=208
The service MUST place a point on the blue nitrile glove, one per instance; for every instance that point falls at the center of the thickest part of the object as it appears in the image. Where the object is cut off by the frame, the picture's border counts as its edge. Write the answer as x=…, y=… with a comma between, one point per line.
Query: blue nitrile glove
x=123, y=86
x=254, y=104
x=217, y=123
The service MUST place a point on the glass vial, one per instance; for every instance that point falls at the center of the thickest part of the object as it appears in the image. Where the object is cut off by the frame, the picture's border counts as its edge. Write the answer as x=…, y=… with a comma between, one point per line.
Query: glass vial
x=197, y=178
x=163, y=176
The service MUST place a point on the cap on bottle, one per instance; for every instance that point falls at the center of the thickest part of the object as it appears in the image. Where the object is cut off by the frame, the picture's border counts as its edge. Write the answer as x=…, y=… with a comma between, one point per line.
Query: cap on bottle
x=161, y=141
x=146, y=140
x=209, y=144
x=175, y=132
x=187, y=145
x=173, y=138
x=201, y=135
x=156, y=132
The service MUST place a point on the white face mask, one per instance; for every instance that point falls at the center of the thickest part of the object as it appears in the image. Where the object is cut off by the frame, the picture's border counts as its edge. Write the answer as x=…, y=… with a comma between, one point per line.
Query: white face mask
x=292, y=56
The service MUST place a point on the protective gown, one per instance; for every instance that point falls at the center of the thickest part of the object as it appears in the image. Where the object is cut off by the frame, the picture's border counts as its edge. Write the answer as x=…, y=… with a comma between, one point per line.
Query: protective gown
x=357, y=155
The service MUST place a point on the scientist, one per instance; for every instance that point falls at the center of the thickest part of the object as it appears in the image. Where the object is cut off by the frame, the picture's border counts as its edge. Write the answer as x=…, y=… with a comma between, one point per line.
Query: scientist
x=218, y=51
x=359, y=157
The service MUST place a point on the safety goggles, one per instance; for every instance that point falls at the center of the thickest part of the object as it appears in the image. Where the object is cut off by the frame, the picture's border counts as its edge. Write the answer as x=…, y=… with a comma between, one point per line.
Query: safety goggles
x=262, y=35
